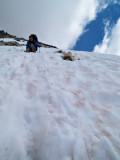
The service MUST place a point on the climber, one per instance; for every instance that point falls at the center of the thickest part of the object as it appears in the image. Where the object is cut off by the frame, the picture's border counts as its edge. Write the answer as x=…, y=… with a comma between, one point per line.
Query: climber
x=32, y=44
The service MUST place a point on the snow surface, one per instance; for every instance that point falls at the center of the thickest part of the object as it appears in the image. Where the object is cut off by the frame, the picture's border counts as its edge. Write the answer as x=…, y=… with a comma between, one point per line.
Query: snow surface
x=51, y=109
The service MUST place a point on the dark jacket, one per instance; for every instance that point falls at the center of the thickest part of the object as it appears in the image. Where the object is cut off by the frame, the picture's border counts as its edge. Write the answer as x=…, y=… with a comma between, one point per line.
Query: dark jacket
x=34, y=42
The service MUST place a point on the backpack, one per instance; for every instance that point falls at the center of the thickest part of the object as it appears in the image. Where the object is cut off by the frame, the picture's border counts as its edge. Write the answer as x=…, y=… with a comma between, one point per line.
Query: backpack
x=34, y=37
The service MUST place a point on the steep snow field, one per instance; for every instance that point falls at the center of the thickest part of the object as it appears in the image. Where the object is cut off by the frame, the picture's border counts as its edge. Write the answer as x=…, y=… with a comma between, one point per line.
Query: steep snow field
x=51, y=109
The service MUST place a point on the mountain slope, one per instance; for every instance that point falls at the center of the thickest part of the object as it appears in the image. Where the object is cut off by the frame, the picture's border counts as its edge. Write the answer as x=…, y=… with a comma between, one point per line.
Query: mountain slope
x=11, y=40
x=59, y=110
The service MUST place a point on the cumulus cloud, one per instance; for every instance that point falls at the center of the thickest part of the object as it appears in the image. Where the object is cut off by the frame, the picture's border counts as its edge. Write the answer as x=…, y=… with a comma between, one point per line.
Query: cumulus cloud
x=111, y=41
x=55, y=22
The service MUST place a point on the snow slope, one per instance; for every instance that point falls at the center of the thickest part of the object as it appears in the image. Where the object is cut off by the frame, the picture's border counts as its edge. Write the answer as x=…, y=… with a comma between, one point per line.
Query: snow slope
x=51, y=109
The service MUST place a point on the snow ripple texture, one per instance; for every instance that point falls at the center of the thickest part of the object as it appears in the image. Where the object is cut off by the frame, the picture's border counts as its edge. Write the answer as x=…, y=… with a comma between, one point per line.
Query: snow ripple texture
x=51, y=109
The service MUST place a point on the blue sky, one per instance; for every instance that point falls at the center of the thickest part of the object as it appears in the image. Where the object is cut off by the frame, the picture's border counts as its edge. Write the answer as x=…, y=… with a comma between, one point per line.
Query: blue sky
x=95, y=30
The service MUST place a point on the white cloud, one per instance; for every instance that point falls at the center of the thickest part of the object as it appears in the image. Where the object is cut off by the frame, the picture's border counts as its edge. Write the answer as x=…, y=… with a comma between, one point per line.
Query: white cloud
x=83, y=14
x=111, y=42
x=55, y=22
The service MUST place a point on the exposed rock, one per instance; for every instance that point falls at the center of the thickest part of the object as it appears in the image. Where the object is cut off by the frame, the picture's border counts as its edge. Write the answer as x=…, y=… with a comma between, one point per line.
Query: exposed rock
x=68, y=56
x=60, y=51
x=6, y=35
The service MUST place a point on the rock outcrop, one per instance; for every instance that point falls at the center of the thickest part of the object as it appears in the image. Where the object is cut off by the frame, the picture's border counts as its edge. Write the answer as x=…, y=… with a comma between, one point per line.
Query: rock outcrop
x=68, y=56
x=6, y=35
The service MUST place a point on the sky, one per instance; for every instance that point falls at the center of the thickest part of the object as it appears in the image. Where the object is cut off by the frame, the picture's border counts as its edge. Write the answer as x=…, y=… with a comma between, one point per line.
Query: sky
x=102, y=34
x=80, y=25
